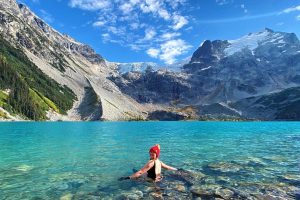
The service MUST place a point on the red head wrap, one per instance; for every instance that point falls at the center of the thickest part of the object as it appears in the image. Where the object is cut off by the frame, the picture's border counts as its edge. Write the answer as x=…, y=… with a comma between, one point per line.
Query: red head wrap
x=155, y=149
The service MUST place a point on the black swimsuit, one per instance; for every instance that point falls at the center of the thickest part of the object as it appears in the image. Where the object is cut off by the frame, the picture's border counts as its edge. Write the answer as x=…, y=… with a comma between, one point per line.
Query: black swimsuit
x=151, y=172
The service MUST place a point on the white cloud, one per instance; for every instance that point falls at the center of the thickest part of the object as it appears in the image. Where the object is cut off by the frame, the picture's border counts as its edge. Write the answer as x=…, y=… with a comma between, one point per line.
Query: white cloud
x=222, y=2
x=179, y=21
x=127, y=7
x=189, y=28
x=134, y=25
x=244, y=8
x=298, y=18
x=116, y=30
x=150, y=6
x=171, y=49
x=175, y=3
x=155, y=7
x=168, y=36
x=90, y=4
x=164, y=14
x=135, y=47
x=141, y=25
x=149, y=34
x=99, y=23
x=291, y=9
x=105, y=37
x=153, y=52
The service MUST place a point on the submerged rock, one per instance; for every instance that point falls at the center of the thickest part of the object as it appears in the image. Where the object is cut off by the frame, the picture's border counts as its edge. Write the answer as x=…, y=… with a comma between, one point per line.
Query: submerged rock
x=223, y=180
x=292, y=179
x=133, y=195
x=205, y=191
x=156, y=195
x=62, y=186
x=180, y=188
x=255, y=162
x=276, y=158
x=224, y=169
x=66, y=197
x=186, y=176
x=24, y=168
x=224, y=193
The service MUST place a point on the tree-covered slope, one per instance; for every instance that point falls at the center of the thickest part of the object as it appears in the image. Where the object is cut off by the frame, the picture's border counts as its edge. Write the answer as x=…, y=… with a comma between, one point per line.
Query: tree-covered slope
x=31, y=92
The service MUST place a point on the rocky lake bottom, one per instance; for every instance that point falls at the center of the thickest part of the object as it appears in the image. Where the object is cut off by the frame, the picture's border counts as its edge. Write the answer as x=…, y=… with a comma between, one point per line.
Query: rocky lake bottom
x=84, y=160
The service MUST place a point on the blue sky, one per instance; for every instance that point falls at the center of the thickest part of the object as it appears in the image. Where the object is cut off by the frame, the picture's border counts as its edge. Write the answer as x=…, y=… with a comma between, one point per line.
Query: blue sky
x=162, y=31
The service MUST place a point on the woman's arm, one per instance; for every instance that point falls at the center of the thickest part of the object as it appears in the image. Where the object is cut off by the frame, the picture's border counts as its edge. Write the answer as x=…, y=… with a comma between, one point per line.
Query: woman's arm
x=143, y=170
x=167, y=166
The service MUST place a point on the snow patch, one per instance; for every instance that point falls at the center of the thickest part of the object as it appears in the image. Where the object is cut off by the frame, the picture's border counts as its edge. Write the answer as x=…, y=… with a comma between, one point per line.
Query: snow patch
x=232, y=109
x=252, y=41
x=281, y=42
x=144, y=66
x=248, y=41
x=205, y=68
x=136, y=67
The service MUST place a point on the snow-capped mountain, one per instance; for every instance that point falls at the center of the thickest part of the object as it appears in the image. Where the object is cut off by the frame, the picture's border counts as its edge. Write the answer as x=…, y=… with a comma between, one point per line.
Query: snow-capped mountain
x=256, y=64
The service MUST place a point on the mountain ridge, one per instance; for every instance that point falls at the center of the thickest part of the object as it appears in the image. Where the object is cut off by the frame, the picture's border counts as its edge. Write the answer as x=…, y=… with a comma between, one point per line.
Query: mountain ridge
x=218, y=77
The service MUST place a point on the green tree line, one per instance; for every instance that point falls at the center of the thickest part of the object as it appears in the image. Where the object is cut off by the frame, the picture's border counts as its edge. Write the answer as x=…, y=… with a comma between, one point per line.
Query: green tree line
x=19, y=74
x=19, y=98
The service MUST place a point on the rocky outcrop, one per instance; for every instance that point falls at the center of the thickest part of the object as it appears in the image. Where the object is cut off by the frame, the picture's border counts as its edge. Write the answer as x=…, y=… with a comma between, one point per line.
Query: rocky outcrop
x=162, y=115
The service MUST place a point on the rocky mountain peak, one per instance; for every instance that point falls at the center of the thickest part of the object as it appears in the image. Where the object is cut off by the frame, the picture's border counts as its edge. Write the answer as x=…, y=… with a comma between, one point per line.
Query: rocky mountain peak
x=209, y=50
x=21, y=25
x=8, y=3
x=208, y=54
x=269, y=30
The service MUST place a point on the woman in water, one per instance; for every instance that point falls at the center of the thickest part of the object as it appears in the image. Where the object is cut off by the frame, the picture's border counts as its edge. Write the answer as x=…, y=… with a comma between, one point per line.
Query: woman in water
x=152, y=167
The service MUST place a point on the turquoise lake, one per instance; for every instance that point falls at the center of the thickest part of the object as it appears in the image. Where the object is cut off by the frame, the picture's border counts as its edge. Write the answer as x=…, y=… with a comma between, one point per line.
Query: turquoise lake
x=83, y=160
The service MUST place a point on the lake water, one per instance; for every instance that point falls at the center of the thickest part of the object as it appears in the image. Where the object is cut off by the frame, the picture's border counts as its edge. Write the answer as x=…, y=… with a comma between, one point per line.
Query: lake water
x=83, y=160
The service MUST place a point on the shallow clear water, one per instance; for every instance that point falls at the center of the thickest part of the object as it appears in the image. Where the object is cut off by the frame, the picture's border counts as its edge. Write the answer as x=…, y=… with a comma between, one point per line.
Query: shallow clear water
x=84, y=160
